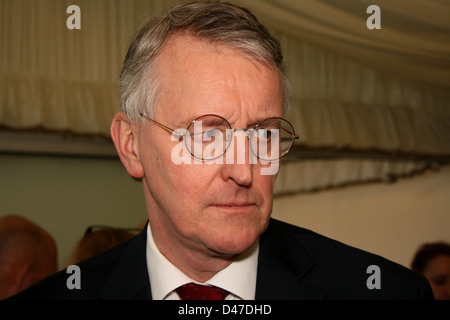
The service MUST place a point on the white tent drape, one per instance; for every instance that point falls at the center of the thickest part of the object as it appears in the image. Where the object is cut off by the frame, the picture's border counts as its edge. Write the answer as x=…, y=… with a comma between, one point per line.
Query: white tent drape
x=60, y=79
x=414, y=39
x=381, y=90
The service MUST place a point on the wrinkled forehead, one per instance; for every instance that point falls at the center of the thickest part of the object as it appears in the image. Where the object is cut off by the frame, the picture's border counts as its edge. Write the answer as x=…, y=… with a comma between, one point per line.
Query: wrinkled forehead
x=198, y=77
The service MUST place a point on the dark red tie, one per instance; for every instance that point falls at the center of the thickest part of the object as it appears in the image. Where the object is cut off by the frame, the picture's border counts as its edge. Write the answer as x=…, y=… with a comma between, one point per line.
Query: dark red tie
x=193, y=291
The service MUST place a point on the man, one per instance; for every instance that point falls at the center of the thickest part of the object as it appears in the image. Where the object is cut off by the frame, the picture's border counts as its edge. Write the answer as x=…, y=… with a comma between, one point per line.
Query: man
x=27, y=254
x=192, y=83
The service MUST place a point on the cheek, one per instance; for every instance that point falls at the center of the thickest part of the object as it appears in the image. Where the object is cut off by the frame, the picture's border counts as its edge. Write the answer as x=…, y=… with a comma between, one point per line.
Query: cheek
x=186, y=185
x=265, y=185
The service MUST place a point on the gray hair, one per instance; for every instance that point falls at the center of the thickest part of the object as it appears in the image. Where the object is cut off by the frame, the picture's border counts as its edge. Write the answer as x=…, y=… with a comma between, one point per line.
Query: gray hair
x=214, y=21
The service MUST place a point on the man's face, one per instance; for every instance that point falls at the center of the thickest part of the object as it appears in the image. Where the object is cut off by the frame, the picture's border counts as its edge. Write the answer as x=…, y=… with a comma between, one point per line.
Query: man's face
x=215, y=208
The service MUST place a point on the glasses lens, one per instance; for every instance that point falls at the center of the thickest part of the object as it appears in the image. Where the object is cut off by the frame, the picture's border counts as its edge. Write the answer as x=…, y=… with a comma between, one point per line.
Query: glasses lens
x=272, y=139
x=208, y=137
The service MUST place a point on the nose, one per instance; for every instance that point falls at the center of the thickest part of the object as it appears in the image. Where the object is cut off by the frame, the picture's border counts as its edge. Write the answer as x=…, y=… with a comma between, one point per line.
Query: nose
x=239, y=160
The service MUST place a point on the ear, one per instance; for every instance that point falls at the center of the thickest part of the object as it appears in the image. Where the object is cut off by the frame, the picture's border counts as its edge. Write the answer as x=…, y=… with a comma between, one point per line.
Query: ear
x=126, y=144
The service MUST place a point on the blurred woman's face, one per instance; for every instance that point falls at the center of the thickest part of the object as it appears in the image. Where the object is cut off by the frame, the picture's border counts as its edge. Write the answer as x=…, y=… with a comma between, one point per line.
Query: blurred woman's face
x=438, y=273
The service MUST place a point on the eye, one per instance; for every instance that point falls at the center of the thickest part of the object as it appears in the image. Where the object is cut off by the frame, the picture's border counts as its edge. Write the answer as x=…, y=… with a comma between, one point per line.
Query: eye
x=266, y=134
x=208, y=134
x=208, y=129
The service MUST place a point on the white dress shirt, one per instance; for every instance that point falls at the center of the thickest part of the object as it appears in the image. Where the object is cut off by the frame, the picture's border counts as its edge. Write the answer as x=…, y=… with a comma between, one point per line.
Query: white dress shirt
x=239, y=278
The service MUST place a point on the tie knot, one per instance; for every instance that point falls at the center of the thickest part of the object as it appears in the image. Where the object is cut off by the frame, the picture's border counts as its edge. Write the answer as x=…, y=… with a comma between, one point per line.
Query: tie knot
x=194, y=291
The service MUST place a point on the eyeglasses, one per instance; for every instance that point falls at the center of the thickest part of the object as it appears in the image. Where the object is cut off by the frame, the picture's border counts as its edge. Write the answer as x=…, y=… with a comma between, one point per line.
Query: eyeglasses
x=209, y=136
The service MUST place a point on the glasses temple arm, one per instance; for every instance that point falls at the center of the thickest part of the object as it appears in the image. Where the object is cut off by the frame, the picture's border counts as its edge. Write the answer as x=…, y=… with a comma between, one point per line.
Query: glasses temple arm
x=162, y=126
x=296, y=136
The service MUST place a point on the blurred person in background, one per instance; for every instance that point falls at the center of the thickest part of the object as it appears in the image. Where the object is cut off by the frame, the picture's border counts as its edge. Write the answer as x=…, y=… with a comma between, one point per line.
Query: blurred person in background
x=28, y=254
x=98, y=239
x=433, y=261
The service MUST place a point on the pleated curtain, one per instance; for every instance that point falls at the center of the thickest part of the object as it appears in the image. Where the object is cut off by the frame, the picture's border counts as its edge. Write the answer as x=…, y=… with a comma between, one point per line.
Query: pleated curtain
x=385, y=91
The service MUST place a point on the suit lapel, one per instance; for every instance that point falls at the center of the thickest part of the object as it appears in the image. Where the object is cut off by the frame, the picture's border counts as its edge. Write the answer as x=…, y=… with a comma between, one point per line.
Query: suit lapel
x=283, y=266
x=130, y=280
x=282, y=269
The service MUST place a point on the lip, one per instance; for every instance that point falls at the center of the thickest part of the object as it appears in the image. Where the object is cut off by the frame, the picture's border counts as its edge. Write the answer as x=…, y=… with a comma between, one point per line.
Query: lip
x=236, y=208
x=233, y=204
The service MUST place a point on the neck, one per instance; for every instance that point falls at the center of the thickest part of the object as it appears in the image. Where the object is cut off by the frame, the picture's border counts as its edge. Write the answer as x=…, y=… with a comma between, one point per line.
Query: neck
x=198, y=264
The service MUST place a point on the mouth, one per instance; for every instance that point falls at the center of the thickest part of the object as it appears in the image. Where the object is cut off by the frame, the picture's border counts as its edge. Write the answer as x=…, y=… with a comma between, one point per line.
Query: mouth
x=234, y=206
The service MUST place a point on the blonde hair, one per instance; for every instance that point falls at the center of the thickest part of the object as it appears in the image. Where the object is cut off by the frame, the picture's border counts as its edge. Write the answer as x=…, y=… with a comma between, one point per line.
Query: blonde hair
x=213, y=21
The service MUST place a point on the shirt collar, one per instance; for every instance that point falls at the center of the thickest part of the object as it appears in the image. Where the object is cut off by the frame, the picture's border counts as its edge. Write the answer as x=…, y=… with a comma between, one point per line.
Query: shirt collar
x=239, y=277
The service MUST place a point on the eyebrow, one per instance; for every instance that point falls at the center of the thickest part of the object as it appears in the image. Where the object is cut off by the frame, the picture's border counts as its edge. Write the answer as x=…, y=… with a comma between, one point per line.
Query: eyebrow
x=259, y=120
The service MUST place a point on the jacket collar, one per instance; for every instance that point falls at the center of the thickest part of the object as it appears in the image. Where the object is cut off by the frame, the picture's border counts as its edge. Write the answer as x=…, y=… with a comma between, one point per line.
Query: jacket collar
x=283, y=267
x=129, y=279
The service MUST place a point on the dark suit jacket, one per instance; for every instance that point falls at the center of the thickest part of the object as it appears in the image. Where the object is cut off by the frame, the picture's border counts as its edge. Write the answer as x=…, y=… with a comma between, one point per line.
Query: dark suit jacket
x=293, y=263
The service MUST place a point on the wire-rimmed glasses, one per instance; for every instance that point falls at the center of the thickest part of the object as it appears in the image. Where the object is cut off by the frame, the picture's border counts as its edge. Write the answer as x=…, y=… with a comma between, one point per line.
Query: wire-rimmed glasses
x=208, y=137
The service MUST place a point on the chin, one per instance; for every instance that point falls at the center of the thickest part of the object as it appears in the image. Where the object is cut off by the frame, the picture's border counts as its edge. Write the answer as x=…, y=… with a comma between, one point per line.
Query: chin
x=232, y=234
x=233, y=243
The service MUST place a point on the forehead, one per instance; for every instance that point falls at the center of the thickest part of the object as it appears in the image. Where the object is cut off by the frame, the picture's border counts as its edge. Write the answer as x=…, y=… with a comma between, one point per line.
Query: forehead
x=198, y=78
